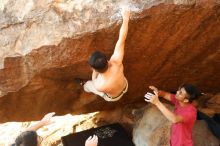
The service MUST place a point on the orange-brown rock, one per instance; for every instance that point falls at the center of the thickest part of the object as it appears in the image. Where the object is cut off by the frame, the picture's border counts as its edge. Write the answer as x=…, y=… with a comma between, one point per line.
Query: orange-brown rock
x=45, y=49
x=209, y=104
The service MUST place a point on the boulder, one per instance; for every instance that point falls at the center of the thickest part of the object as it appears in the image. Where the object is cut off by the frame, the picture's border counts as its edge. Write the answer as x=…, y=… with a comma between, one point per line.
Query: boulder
x=45, y=44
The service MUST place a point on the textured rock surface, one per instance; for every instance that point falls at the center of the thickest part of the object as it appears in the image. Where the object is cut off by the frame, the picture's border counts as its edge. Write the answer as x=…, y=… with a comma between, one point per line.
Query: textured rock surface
x=209, y=104
x=44, y=45
x=153, y=129
x=203, y=136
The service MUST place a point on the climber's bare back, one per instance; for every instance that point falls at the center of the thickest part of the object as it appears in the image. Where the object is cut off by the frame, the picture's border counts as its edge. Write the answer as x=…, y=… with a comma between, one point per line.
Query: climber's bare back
x=112, y=81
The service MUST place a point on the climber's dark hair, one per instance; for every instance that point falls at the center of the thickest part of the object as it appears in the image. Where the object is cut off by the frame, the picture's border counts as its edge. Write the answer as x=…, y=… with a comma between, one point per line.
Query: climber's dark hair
x=98, y=61
x=26, y=138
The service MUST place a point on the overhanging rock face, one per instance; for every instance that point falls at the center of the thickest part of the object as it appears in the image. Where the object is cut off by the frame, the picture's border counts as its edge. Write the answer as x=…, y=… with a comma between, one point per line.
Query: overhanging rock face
x=45, y=45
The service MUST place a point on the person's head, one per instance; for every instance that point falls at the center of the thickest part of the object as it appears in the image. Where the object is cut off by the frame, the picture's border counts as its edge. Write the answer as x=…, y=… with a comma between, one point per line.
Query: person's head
x=98, y=61
x=28, y=138
x=187, y=93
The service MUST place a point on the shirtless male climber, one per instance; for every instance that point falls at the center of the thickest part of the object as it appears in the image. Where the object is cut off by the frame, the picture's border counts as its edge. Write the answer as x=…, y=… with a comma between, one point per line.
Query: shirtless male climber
x=108, y=80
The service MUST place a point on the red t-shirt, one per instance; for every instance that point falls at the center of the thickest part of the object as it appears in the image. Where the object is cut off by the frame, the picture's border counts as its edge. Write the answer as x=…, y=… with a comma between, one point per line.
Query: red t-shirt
x=181, y=133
